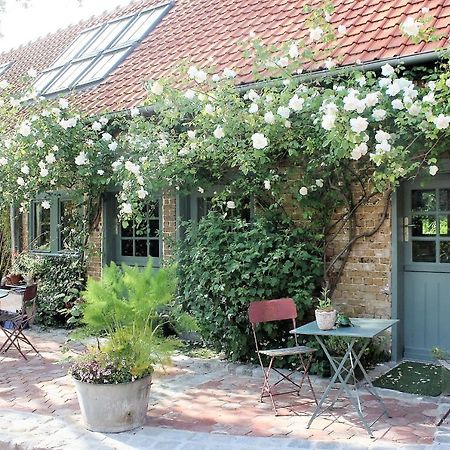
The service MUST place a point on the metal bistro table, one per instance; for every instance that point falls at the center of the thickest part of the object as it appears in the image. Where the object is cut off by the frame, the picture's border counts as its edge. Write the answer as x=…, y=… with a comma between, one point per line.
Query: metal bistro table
x=363, y=328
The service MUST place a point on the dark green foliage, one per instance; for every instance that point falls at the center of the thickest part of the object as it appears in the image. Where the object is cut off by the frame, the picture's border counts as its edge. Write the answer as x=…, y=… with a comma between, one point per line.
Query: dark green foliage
x=225, y=263
x=60, y=282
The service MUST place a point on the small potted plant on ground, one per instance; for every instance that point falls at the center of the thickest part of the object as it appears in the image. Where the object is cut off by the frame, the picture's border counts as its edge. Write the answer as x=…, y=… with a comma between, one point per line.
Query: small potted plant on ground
x=113, y=380
x=325, y=313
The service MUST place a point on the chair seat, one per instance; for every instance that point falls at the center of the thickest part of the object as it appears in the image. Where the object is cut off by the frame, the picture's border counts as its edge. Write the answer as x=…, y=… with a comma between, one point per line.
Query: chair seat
x=287, y=351
x=7, y=315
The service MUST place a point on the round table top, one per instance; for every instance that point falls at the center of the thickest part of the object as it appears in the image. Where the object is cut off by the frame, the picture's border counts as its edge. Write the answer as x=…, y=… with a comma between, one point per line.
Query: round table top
x=4, y=292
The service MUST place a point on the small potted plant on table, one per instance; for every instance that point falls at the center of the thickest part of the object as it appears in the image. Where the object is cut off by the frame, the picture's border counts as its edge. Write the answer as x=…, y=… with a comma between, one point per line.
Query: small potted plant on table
x=113, y=380
x=325, y=313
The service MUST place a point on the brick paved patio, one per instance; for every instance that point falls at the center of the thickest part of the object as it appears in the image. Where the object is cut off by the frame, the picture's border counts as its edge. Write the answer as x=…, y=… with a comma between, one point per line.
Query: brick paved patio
x=216, y=397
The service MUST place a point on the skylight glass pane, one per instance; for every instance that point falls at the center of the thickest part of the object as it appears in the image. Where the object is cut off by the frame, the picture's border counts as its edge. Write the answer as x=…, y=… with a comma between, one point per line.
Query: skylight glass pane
x=140, y=27
x=4, y=67
x=66, y=79
x=101, y=67
x=76, y=47
x=105, y=37
x=44, y=79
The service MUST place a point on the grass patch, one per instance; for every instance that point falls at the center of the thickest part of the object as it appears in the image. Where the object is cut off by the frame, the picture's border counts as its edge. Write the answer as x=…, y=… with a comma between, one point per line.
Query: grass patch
x=413, y=378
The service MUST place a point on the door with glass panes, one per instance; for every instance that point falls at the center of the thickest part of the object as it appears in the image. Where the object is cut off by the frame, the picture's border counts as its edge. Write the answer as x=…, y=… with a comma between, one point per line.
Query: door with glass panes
x=426, y=266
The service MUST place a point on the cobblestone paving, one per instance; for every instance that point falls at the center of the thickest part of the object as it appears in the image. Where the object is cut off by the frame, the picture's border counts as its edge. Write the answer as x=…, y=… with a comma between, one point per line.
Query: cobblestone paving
x=201, y=404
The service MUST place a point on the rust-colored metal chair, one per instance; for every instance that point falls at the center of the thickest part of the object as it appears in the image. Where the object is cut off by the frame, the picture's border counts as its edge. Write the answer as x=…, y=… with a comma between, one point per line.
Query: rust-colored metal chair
x=274, y=311
x=17, y=314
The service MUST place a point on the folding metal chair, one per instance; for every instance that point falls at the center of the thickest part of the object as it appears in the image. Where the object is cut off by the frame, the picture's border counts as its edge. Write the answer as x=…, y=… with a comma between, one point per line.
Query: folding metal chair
x=273, y=311
x=17, y=313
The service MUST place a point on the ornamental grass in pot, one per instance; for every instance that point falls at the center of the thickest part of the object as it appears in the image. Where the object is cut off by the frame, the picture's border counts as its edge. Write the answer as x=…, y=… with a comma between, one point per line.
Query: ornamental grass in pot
x=113, y=379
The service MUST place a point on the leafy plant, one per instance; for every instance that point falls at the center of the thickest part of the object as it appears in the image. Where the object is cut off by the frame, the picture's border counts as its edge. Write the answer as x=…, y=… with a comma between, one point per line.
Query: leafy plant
x=225, y=263
x=324, y=301
x=125, y=307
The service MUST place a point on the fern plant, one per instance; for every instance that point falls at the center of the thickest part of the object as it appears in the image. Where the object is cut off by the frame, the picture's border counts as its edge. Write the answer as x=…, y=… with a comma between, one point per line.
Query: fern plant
x=126, y=306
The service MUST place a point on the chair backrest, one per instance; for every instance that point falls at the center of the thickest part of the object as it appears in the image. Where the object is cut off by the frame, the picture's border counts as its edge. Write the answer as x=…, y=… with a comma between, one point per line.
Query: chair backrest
x=272, y=310
x=30, y=293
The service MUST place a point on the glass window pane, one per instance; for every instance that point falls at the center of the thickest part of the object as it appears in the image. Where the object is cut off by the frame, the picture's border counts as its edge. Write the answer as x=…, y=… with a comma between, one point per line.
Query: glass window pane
x=154, y=248
x=424, y=226
x=127, y=247
x=141, y=247
x=444, y=199
x=101, y=67
x=423, y=200
x=68, y=224
x=140, y=27
x=141, y=229
x=444, y=256
x=104, y=38
x=153, y=210
x=153, y=228
x=76, y=47
x=41, y=228
x=444, y=222
x=44, y=79
x=66, y=79
x=424, y=251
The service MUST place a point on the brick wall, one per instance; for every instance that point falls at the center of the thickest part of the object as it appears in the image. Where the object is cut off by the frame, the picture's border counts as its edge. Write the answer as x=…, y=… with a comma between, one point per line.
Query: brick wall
x=364, y=289
x=94, y=252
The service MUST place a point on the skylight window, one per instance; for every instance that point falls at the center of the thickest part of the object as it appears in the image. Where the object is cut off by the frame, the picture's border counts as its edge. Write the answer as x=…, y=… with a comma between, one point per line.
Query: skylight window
x=97, y=51
x=4, y=68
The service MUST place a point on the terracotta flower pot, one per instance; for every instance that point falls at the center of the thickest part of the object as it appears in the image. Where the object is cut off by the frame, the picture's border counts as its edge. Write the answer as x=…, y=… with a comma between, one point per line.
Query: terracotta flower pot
x=14, y=278
x=325, y=319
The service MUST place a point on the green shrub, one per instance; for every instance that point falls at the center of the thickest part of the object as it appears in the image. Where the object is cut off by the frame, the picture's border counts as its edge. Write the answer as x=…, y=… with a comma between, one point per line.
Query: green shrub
x=60, y=280
x=225, y=263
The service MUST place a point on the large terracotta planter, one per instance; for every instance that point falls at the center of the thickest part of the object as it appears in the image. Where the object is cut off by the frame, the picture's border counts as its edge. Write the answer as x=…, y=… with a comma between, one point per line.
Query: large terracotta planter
x=112, y=408
x=325, y=319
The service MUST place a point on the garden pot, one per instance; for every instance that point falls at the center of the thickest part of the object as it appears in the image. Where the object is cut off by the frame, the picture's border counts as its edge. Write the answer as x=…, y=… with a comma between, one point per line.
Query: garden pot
x=325, y=319
x=112, y=408
x=14, y=278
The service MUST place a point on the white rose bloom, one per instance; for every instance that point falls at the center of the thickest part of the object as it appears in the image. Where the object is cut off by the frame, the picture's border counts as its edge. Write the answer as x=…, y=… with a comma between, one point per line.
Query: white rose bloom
x=56, y=111
x=20, y=181
x=189, y=94
x=40, y=143
x=319, y=183
x=191, y=134
x=352, y=103
x=201, y=190
x=410, y=27
x=50, y=158
x=287, y=123
x=228, y=73
x=383, y=147
x=134, y=112
x=329, y=63
x=328, y=121
x=25, y=169
x=387, y=70
x=296, y=103
x=269, y=117
x=447, y=82
x=4, y=84
x=106, y=137
x=342, y=30
x=381, y=136
x=252, y=95
x=96, y=126
x=183, y=152
x=44, y=172
x=361, y=81
x=442, y=122
x=303, y=190
x=267, y=184
x=100, y=172
x=126, y=208
x=379, y=114
x=259, y=141
x=157, y=88
x=433, y=170
x=63, y=103
x=253, y=108
x=356, y=154
x=218, y=132
x=414, y=109
x=192, y=72
x=25, y=129
x=32, y=73
x=113, y=146
x=3, y=161
x=231, y=204
x=209, y=109
x=142, y=193
x=429, y=98
x=371, y=99
x=293, y=51
x=284, y=112
x=393, y=89
x=131, y=167
x=215, y=77
x=397, y=104
x=81, y=159
x=45, y=204
x=315, y=34
x=201, y=76
x=283, y=62
x=115, y=165
x=359, y=124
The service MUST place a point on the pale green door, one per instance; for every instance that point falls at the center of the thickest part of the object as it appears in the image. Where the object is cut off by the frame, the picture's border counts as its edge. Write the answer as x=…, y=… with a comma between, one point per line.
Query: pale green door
x=426, y=267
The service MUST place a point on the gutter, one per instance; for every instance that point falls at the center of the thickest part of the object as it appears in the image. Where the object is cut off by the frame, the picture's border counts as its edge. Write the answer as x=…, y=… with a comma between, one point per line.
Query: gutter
x=417, y=59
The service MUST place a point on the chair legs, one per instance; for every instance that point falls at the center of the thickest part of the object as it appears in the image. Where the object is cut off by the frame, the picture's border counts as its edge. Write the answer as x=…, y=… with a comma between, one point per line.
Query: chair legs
x=267, y=388
x=13, y=338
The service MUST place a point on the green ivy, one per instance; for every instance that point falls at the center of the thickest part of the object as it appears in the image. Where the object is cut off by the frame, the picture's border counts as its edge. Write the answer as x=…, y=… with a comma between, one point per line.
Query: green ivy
x=61, y=279
x=225, y=263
